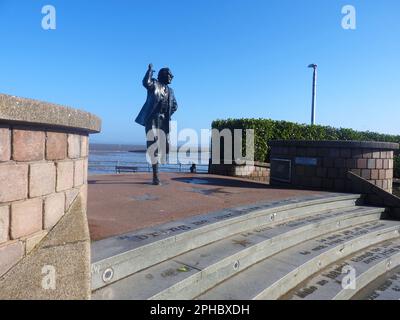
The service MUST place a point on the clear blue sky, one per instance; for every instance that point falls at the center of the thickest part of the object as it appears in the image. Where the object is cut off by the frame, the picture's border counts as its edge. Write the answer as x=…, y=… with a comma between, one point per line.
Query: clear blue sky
x=231, y=58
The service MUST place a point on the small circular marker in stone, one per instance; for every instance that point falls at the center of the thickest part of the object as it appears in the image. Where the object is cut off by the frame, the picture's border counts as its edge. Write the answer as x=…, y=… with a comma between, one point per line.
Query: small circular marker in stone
x=236, y=266
x=319, y=264
x=108, y=275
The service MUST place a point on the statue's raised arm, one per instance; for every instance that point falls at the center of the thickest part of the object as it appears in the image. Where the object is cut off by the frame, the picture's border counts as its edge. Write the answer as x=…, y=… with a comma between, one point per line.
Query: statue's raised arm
x=148, y=81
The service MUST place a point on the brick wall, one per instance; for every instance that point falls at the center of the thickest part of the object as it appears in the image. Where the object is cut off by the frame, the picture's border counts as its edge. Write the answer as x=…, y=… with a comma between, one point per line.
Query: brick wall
x=333, y=160
x=258, y=171
x=41, y=174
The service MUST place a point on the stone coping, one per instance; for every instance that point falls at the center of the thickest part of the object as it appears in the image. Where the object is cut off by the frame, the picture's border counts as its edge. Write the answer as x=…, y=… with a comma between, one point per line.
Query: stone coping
x=37, y=113
x=335, y=144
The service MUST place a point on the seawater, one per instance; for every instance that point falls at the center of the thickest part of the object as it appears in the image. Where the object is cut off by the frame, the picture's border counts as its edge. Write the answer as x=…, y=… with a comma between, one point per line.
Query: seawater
x=104, y=162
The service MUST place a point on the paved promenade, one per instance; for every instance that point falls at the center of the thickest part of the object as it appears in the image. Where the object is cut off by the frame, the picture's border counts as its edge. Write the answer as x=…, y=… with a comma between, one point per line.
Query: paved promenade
x=119, y=204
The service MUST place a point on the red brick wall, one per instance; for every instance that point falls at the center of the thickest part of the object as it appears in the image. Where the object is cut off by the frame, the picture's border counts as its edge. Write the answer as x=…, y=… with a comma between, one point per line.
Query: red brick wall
x=374, y=165
x=41, y=174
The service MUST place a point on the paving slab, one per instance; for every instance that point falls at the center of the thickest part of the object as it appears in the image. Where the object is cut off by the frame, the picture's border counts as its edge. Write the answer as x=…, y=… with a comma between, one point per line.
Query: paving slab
x=119, y=204
x=220, y=260
x=386, y=287
x=143, y=285
x=128, y=253
x=366, y=265
x=274, y=277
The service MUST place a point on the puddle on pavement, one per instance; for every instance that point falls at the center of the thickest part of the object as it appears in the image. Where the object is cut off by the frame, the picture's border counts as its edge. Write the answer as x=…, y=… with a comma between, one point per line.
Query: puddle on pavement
x=145, y=197
x=196, y=181
x=209, y=192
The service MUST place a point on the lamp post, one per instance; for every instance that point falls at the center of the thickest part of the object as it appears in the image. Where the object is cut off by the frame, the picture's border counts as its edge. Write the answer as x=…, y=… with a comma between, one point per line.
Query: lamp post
x=314, y=93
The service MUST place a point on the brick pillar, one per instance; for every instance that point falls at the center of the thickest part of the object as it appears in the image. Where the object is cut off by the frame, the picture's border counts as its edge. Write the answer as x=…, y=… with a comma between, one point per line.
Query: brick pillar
x=43, y=169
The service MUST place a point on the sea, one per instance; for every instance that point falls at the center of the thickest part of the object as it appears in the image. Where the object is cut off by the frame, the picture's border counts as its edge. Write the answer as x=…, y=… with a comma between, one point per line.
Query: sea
x=104, y=158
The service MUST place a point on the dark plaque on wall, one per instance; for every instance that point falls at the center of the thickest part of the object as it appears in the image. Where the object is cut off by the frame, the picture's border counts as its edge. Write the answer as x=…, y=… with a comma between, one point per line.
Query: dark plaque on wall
x=281, y=170
x=306, y=161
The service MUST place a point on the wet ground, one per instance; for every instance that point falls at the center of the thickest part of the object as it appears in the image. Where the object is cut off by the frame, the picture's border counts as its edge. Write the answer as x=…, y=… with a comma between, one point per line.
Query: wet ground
x=119, y=204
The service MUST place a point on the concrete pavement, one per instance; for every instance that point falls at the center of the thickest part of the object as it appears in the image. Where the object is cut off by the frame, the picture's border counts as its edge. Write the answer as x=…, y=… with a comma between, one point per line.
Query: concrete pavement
x=118, y=204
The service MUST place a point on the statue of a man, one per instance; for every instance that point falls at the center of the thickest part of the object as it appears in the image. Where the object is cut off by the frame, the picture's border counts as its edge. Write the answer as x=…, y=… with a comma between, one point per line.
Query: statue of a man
x=156, y=114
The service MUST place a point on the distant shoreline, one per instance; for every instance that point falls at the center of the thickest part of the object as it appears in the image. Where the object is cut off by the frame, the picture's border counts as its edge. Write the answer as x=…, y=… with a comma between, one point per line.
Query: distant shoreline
x=103, y=147
x=116, y=147
x=137, y=151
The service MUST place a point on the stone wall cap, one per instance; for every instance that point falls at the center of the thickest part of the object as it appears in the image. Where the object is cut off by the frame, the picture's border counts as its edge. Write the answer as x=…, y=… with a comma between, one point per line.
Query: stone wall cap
x=37, y=113
x=336, y=144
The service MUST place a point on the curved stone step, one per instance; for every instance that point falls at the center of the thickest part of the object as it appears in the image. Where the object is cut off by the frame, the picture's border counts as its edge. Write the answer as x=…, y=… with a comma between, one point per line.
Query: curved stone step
x=343, y=280
x=386, y=287
x=277, y=275
x=118, y=257
x=209, y=265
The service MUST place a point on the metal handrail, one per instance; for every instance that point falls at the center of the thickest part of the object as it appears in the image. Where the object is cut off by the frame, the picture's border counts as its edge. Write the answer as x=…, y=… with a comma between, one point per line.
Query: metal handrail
x=139, y=165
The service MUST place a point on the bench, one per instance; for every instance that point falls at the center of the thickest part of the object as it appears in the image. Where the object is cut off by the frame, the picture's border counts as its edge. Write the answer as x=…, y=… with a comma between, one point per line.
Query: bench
x=119, y=169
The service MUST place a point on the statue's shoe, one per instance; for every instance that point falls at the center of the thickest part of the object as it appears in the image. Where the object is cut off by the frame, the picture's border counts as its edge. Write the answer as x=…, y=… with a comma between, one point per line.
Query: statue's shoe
x=157, y=183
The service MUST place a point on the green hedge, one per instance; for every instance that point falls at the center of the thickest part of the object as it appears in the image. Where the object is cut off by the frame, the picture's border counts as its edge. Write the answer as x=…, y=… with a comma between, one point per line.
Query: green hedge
x=267, y=130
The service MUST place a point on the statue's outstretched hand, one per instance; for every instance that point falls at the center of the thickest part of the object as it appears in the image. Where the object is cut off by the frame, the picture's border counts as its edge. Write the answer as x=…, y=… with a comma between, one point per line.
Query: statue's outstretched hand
x=150, y=66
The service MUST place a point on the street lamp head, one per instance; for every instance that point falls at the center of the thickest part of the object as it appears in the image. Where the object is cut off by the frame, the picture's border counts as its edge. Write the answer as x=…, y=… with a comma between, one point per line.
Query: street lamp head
x=314, y=66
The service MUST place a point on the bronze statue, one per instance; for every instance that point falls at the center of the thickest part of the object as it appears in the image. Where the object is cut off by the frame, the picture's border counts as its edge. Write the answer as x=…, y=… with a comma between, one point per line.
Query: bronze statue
x=156, y=114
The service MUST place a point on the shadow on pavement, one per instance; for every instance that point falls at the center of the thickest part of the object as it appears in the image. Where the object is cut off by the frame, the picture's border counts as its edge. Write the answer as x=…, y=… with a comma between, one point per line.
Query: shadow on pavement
x=222, y=182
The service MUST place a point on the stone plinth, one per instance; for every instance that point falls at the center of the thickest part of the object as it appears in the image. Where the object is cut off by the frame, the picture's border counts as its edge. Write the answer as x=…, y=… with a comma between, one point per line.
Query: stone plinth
x=325, y=164
x=43, y=170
